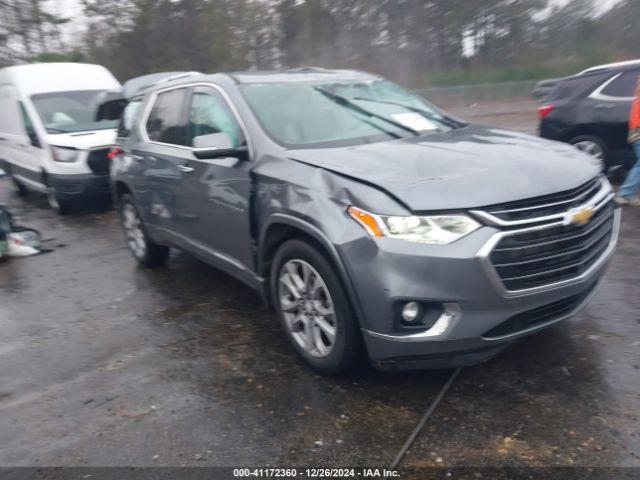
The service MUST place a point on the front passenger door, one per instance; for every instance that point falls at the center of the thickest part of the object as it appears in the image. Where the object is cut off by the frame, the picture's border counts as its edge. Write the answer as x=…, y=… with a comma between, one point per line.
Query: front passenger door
x=217, y=191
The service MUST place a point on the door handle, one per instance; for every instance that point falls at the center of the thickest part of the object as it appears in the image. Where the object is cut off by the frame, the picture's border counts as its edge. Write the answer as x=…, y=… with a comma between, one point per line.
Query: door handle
x=185, y=168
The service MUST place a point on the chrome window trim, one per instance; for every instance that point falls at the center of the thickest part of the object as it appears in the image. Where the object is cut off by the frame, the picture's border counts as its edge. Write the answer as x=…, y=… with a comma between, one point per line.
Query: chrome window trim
x=484, y=254
x=142, y=124
x=604, y=192
x=598, y=95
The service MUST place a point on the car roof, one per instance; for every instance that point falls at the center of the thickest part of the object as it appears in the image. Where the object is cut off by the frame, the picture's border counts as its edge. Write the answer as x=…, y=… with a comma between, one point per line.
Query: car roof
x=36, y=78
x=629, y=64
x=304, y=74
x=307, y=74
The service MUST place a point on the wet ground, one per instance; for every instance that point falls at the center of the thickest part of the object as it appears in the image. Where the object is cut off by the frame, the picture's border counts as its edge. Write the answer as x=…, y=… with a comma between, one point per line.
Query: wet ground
x=106, y=364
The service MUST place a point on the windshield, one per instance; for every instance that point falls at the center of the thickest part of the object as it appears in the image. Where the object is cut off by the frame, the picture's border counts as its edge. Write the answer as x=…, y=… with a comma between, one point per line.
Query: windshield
x=317, y=115
x=66, y=112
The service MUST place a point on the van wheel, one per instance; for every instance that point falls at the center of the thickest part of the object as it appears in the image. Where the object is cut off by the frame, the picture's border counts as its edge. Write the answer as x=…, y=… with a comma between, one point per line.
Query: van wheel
x=21, y=189
x=146, y=252
x=313, y=308
x=61, y=206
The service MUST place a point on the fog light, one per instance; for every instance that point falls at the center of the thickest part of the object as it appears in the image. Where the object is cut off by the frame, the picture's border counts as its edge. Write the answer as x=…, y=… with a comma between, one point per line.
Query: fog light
x=410, y=312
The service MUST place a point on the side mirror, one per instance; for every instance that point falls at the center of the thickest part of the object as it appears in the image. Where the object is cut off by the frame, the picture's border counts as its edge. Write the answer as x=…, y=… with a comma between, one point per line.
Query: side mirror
x=216, y=145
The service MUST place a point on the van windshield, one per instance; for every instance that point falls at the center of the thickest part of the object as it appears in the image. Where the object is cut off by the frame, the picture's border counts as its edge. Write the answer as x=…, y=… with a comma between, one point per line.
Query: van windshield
x=66, y=112
x=334, y=114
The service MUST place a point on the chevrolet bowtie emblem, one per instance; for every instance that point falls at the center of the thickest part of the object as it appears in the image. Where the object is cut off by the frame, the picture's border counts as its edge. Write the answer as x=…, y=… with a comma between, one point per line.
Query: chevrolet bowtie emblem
x=580, y=216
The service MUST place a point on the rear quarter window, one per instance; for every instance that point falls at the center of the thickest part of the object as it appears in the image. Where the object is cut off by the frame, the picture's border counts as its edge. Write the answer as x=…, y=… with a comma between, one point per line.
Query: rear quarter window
x=573, y=87
x=623, y=85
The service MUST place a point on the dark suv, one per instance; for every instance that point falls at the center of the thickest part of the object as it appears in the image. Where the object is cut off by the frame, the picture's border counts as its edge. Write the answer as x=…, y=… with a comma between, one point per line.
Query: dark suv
x=363, y=214
x=591, y=111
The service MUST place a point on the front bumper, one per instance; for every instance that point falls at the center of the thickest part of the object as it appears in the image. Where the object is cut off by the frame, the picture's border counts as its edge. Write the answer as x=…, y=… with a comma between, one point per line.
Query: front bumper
x=386, y=271
x=80, y=186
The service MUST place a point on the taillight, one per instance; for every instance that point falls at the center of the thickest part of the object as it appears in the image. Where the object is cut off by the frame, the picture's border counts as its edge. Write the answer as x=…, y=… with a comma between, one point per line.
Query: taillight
x=115, y=151
x=544, y=111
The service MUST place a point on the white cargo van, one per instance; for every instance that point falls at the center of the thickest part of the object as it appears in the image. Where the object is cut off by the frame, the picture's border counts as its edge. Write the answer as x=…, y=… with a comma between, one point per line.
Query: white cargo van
x=51, y=139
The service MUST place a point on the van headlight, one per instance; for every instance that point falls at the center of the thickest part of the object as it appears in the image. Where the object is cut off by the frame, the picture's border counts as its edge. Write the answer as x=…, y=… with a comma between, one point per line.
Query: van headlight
x=64, y=154
x=432, y=229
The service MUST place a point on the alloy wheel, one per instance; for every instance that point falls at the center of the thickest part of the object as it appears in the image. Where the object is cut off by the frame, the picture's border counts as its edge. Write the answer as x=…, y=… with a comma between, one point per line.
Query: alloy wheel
x=51, y=198
x=307, y=308
x=133, y=230
x=592, y=148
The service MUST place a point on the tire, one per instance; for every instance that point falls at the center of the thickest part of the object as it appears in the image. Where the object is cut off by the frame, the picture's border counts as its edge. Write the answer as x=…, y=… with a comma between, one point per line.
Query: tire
x=144, y=250
x=61, y=206
x=21, y=189
x=594, y=146
x=326, y=355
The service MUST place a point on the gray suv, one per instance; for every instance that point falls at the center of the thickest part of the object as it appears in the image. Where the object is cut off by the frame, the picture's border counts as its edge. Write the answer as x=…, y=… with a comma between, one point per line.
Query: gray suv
x=369, y=219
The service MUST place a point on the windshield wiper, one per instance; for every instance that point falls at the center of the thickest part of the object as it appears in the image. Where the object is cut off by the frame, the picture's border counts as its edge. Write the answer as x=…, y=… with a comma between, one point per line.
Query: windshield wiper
x=345, y=102
x=442, y=120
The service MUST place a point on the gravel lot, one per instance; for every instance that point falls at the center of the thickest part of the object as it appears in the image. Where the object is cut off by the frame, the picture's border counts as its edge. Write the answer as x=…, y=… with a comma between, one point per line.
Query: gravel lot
x=106, y=364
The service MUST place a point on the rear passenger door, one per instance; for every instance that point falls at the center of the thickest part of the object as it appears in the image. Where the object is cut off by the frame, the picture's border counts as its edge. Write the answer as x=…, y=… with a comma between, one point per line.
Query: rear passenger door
x=159, y=160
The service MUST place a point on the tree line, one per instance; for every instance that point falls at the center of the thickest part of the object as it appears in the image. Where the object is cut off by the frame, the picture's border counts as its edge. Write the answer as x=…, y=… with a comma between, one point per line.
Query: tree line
x=413, y=41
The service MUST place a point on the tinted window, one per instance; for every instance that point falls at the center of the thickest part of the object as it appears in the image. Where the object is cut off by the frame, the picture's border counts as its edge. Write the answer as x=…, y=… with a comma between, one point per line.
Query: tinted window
x=166, y=122
x=209, y=113
x=28, y=127
x=623, y=86
x=575, y=86
x=129, y=116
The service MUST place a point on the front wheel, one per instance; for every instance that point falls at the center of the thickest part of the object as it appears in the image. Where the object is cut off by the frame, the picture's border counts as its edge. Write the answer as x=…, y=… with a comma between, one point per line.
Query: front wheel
x=313, y=308
x=145, y=251
x=593, y=146
x=60, y=205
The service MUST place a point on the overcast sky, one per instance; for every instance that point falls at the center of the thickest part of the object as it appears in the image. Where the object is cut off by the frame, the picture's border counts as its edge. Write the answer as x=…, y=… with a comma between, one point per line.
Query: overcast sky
x=73, y=9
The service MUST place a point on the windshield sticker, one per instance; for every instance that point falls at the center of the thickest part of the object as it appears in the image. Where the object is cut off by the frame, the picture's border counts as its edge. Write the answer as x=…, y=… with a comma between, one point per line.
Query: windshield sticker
x=414, y=121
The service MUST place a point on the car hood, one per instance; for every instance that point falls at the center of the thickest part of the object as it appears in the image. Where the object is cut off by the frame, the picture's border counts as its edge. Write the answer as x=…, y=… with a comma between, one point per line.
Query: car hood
x=470, y=167
x=83, y=140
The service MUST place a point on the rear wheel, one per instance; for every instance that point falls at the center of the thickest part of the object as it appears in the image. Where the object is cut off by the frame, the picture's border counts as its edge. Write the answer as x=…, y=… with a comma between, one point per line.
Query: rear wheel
x=592, y=145
x=313, y=308
x=145, y=251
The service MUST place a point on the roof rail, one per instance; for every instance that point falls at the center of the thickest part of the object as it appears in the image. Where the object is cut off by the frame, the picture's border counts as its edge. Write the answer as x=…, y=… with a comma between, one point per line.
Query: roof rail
x=307, y=69
x=610, y=65
x=176, y=77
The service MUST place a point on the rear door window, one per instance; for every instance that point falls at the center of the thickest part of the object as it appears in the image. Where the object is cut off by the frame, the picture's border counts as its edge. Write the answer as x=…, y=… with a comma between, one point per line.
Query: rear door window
x=623, y=85
x=167, y=122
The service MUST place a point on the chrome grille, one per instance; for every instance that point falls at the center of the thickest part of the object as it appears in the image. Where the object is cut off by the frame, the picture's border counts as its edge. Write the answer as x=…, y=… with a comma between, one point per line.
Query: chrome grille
x=550, y=255
x=545, y=205
x=550, y=250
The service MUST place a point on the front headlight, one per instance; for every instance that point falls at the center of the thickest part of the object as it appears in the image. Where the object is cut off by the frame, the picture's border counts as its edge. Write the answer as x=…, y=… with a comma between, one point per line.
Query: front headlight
x=64, y=154
x=433, y=229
